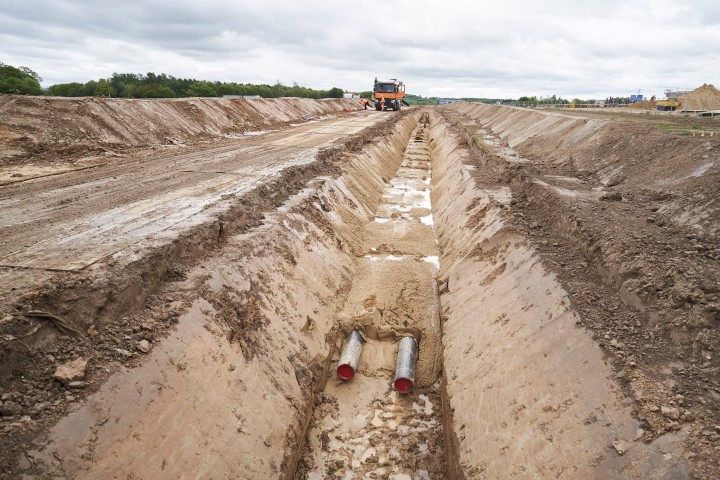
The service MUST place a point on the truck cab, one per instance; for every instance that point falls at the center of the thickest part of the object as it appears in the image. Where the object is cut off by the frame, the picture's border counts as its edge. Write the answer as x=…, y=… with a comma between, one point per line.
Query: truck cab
x=388, y=95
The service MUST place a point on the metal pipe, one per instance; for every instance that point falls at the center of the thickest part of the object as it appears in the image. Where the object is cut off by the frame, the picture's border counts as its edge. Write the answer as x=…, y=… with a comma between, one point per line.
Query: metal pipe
x=350, y=356
x=405, y=367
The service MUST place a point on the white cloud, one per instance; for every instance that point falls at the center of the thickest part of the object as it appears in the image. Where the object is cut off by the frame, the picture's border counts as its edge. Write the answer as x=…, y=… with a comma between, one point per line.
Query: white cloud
x=453, y=48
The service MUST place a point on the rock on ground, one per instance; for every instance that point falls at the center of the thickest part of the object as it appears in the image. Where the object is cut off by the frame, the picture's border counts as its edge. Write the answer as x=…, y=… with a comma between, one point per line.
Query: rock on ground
x=71, y=371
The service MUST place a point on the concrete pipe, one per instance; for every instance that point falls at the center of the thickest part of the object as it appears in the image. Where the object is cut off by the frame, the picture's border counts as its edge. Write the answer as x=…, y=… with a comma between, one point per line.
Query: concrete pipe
x=405, y=367
x=350, y=356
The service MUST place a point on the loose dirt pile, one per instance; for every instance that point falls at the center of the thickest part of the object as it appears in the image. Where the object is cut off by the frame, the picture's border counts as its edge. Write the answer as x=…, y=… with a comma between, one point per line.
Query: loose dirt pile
x=703, y=99
x=43, y=129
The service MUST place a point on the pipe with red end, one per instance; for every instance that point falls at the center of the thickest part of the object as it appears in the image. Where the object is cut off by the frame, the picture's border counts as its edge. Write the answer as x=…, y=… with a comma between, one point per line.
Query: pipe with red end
x=350, y=356
x=405, y=367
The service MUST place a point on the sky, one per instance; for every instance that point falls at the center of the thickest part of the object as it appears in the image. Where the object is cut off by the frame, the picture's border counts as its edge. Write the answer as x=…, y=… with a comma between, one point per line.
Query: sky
x=492, y=49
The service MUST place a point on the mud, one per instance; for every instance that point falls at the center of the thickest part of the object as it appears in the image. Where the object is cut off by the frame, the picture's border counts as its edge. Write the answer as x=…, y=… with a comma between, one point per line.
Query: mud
x=564, y=329
x=597, y=196
x=363, y=428
x=105, y=301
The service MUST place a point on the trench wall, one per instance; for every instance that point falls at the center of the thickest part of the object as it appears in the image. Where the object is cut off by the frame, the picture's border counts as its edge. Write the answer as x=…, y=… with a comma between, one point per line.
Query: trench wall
x=519, y=126
x=230, y=393
x=661, y=160
x=527, y=392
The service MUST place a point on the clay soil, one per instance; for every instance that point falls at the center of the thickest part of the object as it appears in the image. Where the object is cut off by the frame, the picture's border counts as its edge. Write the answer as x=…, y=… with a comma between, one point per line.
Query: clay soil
x=625, y=211
x=104, y=203
x=207, y=259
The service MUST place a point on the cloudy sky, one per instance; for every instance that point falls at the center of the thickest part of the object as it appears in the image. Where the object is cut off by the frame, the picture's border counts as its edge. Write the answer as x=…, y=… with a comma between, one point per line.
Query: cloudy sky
x=501, y=48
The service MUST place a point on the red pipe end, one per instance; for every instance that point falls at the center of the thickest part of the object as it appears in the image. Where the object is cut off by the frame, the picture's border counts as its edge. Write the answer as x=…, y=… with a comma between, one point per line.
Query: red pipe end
x=403, y=385
x=345, y=372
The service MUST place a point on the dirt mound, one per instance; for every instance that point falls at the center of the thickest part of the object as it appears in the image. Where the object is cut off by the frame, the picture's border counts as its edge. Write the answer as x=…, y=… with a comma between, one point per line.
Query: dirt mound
x=703, y=98
x=646, y=104
x=622, y=209
x=50, y=128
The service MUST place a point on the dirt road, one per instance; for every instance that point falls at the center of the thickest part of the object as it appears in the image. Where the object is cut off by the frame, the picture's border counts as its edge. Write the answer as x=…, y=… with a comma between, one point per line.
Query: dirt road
x=70, y=220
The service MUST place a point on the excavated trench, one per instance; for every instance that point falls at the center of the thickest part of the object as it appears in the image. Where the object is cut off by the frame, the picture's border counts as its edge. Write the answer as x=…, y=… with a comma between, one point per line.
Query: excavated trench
x=363, y=428
x=403, y=242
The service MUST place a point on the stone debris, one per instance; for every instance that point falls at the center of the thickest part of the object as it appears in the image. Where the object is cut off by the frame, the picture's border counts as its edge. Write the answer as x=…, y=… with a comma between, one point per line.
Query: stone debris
x=10, y=409
x=670, y=412
x=71, y=371
x=144, y=346
x=621, y=446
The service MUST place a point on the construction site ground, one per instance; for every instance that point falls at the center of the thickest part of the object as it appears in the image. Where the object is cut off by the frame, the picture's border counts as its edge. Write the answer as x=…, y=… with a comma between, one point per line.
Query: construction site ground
x=177, y=278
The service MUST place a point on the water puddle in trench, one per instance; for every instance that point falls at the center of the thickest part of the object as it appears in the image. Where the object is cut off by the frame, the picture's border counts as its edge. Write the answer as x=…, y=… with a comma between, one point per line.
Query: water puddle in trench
x=363, y=428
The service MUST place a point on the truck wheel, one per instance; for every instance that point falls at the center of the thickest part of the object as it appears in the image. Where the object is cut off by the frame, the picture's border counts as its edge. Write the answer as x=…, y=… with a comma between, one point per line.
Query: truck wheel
x=378, y=107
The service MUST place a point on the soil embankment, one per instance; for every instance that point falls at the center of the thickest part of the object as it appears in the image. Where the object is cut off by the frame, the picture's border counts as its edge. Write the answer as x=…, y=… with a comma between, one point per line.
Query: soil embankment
x=54, y=129
x=238, y=376
x=527, y=391
x=111, y=312
x=623, y=210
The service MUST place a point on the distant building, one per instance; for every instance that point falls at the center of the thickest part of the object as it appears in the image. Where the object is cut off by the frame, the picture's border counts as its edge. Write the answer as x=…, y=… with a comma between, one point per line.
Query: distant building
x=444, y=101
x=674, y=93
x=351, y=95
x=241, y=96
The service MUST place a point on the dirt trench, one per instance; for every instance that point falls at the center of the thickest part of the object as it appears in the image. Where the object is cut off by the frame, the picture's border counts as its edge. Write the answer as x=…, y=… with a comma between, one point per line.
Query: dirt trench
x=405, y=240
x=363, y=428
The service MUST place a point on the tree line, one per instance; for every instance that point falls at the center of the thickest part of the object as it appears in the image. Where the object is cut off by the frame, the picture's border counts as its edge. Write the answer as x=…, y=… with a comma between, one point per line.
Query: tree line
x=555, y=100
x=24, y=81
x=150, y=85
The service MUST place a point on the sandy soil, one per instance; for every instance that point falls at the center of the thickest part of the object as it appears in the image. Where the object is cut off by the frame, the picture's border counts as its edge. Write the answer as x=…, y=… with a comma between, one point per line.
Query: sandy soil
x=624, y=210
x=57, y=130
x=86, y=250
x=363, y=428
x=176, y=293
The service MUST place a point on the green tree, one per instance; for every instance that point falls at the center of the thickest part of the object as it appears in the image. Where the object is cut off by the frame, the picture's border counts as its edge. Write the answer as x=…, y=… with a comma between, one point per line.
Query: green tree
x=203, y=89
x=67, y=89
x=151, y=85
x=20, y=81
x=89, y=89
x=104, y=88
x=334, y=93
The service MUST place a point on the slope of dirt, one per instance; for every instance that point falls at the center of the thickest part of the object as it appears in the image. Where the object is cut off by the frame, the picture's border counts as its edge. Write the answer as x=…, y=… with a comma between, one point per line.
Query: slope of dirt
x=96, y=313
x=363, y=428
x=51, y=129
x=703, y=99
x=626, y=212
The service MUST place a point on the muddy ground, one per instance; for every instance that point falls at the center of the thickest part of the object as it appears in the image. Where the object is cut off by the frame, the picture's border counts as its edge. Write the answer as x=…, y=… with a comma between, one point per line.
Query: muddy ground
x=624, y=209
x=220, y=325
x=97, y=237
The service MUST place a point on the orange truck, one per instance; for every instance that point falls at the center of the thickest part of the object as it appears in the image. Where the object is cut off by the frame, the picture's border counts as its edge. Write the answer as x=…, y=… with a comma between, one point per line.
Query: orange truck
x=388, y=95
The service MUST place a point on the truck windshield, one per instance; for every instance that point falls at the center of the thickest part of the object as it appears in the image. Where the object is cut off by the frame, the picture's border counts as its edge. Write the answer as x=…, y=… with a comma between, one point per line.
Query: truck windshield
x=385, y=88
